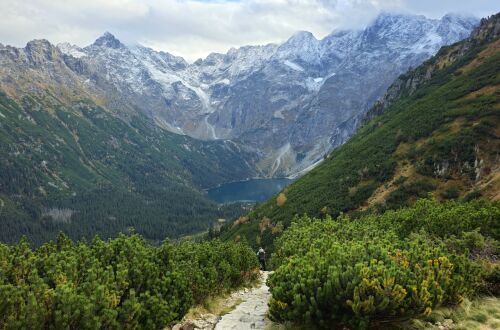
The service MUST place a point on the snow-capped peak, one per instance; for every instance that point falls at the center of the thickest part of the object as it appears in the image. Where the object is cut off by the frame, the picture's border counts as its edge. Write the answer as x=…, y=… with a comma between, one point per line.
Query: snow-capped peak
x=108, y=40
x=302, y=46
x=301, y=37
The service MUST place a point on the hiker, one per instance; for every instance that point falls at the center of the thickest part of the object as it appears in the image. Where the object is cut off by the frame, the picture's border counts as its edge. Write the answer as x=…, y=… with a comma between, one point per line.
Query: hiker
x=261, y=254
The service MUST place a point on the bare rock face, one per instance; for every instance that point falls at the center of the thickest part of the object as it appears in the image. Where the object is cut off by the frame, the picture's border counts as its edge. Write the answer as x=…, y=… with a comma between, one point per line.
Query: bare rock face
x=290, y=103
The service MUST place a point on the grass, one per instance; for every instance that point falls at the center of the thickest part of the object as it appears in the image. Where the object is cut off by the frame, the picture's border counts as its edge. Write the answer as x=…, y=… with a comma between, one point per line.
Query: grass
x=480, y=314
x=219, y=305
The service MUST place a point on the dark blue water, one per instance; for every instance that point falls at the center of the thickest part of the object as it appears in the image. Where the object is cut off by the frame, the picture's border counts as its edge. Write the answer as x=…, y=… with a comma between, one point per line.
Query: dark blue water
x=255, y=190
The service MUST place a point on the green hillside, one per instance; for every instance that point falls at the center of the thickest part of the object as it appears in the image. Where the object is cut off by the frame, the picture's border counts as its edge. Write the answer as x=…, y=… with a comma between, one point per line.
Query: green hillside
x=77, y=167
x=436, y=131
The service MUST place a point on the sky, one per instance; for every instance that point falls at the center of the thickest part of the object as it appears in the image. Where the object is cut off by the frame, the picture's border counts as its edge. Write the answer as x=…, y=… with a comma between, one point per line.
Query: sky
x=195, y=28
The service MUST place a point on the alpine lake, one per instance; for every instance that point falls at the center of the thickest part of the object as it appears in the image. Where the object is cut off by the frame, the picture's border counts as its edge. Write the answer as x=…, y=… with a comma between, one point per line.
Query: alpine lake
x=253, y=190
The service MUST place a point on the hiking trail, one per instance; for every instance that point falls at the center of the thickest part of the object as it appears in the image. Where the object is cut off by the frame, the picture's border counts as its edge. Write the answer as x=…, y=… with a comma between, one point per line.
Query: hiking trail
x=250, y=313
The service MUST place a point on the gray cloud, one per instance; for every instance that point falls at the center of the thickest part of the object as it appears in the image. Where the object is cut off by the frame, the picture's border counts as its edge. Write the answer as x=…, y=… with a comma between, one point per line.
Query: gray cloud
x=195, y=28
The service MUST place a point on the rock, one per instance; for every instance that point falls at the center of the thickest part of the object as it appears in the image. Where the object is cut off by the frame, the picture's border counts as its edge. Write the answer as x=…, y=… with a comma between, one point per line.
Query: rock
x=204, y=322
x=251, y=313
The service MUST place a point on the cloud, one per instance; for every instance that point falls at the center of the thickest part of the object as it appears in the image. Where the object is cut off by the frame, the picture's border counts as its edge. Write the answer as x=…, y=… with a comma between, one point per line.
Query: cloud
x=193, y=29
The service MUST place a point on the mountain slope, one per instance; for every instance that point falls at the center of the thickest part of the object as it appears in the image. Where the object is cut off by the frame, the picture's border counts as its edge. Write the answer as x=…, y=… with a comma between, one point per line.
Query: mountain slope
x=291, y=102
x=70, y=163
x=437, y=130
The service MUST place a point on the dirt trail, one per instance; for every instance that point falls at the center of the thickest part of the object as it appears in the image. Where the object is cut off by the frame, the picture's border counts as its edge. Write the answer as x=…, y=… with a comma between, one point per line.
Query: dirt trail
x=251, y=313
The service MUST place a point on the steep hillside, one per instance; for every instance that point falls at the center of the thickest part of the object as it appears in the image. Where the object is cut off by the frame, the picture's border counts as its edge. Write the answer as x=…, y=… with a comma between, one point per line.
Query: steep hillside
x=75, y=166
x=437, y=131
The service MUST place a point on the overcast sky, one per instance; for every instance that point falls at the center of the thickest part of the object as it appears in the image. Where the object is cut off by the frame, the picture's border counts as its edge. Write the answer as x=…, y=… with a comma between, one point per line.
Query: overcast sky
x=195, y=28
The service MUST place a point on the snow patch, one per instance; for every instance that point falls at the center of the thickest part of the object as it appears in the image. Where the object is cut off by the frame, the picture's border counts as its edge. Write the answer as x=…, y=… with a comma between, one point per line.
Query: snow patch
x=278, y=114
x=294, y=66
x=315, y=84
x=430, y=43
x=167, y=78
x=72, y=50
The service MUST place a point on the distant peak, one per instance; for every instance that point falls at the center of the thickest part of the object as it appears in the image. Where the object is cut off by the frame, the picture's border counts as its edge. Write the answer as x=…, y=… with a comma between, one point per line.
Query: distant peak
x=108, y=40
x=39, y=44
x=455, y=17
x=41, y=50
x=385, y=17
x=302, y=35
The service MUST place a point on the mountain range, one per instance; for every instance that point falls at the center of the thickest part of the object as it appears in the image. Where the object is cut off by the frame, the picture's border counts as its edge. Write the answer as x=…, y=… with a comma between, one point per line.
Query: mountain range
x=288, y=103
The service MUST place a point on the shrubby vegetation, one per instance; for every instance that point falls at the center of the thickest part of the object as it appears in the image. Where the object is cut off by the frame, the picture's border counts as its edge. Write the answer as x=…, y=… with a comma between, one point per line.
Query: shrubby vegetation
x=124, y=283
x=381, y=268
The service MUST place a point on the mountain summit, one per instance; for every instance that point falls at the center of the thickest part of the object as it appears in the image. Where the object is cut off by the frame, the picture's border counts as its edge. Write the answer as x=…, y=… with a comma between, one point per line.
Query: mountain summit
x=108, y=40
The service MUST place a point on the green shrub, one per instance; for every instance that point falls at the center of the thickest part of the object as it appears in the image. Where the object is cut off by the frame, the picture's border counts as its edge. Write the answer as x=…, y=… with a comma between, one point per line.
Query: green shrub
x=380, y=267
x=405, y=192
x=400, y=180
x=451, y=193
x=124, y=283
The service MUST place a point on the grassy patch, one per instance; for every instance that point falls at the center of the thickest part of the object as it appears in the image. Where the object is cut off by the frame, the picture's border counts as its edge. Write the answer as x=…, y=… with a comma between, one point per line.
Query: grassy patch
x=482, y=313
x=219, y=305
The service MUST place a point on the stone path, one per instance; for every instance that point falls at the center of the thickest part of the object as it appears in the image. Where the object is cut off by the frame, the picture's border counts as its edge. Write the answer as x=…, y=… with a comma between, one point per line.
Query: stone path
x=251, y=313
